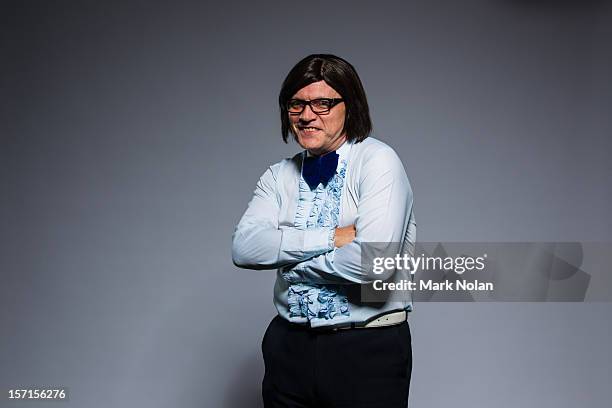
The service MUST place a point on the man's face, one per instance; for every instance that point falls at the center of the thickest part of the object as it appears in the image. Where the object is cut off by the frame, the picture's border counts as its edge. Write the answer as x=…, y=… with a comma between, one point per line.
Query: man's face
x=318, y=133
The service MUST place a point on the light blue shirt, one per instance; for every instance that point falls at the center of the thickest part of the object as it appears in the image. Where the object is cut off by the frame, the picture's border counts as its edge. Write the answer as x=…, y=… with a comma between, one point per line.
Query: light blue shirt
x=290, y=228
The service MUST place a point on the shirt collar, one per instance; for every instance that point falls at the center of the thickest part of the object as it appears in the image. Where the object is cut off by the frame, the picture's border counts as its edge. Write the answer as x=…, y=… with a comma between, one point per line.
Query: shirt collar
x=343, y=151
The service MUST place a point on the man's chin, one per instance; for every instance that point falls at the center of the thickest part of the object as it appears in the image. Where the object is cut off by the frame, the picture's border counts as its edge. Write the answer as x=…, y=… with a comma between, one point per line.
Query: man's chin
x=310, y=145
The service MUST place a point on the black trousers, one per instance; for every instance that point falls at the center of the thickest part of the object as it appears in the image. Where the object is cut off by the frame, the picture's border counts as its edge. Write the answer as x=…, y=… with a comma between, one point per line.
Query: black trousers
x=328, y=369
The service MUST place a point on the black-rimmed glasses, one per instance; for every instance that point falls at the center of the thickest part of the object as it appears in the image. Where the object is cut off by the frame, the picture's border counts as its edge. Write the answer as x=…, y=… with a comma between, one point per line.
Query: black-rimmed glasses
x=318, y=106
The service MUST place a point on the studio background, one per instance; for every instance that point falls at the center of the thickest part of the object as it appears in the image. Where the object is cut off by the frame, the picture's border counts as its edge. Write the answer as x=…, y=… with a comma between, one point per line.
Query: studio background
x=132, y=136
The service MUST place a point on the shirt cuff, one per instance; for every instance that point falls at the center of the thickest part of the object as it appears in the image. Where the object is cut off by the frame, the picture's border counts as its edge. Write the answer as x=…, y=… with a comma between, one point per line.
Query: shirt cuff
x=319, y=239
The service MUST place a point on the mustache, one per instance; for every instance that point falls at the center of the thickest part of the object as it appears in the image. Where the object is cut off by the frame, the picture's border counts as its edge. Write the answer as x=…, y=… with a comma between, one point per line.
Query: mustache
x=305, y=124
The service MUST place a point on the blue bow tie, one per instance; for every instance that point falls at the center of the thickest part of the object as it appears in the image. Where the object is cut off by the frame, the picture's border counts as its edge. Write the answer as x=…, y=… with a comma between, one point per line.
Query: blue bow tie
x=320, y=169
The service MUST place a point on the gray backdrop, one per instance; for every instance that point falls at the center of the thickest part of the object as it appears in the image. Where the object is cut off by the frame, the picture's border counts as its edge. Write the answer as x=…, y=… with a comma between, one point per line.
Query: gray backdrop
x=132, y=135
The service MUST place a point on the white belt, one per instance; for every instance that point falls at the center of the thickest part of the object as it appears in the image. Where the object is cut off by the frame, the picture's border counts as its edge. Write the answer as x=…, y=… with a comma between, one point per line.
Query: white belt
x=390, y=319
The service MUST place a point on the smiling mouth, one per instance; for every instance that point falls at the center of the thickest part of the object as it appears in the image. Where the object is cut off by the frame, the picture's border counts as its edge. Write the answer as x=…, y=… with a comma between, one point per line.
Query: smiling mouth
x=308, y=129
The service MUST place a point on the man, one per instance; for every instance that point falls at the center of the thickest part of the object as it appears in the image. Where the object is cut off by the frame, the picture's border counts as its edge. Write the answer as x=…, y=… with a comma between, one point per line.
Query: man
x=309, y=218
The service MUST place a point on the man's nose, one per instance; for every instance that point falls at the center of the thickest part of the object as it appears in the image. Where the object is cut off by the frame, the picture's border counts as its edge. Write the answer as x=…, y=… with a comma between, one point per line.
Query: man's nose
x=307, y=114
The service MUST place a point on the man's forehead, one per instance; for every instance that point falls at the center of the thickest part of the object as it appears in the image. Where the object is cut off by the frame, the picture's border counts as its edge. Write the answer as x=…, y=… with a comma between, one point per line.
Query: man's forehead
x=317, y=90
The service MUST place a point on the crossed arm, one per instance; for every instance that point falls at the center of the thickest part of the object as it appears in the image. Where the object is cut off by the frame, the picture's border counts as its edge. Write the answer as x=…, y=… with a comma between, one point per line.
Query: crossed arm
x=325, y=255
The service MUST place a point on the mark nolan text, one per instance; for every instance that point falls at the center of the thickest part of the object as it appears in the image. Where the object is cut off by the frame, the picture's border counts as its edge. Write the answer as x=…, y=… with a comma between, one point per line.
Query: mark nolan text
x=459, y=284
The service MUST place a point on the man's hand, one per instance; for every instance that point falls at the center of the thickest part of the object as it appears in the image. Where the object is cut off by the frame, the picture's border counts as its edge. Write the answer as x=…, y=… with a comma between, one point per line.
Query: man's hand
x=344, y=235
